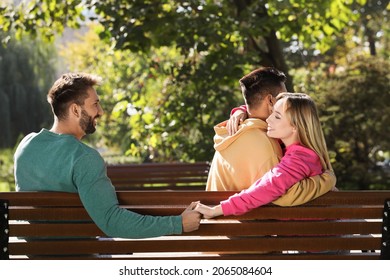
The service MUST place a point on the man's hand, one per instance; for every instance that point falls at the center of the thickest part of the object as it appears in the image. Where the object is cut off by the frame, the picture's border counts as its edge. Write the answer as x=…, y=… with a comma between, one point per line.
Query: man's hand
x=190, y=218
x=235, y=120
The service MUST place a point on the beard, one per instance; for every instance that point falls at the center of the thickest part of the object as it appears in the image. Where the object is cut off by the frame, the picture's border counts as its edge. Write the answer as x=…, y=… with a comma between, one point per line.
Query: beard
x=87, y=122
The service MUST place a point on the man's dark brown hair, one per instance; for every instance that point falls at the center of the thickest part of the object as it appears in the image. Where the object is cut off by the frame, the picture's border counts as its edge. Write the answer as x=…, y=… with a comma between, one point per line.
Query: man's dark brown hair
x=261, y=82
x=70, y=88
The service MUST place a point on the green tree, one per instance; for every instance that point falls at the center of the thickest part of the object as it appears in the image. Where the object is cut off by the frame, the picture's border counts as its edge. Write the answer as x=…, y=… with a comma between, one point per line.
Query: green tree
x=152, y=111
x=26, y=69
x=374, y=20
x=250, y=29
x=366, y=33
x=190, y=55
x=7, y=180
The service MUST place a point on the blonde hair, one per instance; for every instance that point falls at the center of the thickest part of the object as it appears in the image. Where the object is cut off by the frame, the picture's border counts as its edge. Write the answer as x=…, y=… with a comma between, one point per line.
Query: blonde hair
x=302, y=112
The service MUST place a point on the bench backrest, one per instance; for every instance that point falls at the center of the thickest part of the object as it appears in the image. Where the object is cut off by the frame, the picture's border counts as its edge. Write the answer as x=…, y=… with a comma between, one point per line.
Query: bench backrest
x=162, y=175
x=338, y=225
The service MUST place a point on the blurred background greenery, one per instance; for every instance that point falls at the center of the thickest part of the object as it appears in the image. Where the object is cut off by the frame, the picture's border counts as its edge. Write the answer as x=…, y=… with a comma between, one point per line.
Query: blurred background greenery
x=171, y=71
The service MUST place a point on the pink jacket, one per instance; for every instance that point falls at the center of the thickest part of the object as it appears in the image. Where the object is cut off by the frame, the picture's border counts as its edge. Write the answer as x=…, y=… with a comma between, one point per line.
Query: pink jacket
x=297, y=163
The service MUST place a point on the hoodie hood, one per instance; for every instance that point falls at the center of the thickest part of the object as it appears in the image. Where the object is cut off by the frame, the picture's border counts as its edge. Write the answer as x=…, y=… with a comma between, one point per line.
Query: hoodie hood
x=222, y=140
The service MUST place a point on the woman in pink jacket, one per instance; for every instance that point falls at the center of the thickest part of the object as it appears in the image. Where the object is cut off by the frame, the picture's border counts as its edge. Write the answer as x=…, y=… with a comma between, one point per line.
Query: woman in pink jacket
x=295, y=122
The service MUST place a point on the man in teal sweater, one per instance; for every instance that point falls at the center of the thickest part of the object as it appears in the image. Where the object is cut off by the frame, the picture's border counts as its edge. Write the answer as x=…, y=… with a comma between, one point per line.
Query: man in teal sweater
x=56, y=160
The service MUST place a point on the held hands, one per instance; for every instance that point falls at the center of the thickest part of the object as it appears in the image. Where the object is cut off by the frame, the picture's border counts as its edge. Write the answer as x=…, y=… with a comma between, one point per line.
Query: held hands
x=235, y=120
x=209, y=212
x=192, y=215
x=190, y=218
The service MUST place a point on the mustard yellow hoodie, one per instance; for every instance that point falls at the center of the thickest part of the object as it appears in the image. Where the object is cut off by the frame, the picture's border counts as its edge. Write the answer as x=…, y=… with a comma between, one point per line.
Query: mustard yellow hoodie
x=244, y=157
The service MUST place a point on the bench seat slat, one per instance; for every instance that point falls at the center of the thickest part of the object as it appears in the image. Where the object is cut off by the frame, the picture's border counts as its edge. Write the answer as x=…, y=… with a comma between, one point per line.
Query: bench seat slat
x=274, y=256
x=54, y=230
x=158, y=180
x=78, y=213
x=210, y=229
x=189, y=256
x=153, y=197
x=253, y=245
x=170, y=165
x=185, y=197
x=50, y=214
x=284, y=213
x=173, y=175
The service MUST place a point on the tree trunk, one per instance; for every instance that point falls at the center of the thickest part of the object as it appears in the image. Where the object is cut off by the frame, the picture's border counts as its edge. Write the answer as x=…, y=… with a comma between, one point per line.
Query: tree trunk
x=275, y=58
x=371, y=41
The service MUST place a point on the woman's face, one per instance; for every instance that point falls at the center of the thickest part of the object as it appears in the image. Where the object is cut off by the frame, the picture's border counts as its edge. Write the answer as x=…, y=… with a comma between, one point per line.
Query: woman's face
x=279, y=125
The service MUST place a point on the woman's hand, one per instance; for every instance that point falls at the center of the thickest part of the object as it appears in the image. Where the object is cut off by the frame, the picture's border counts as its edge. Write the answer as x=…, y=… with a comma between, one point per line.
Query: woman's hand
x=235, y=120
x=209, y=212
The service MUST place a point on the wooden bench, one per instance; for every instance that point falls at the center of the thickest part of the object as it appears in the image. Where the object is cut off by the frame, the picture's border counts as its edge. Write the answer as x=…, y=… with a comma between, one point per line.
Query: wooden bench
x=346, y=225
x=161, y=175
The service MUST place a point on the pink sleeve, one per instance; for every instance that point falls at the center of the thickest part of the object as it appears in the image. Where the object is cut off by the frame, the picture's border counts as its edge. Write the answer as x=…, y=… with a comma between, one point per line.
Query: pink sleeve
x=242, y=108
x=293, y=167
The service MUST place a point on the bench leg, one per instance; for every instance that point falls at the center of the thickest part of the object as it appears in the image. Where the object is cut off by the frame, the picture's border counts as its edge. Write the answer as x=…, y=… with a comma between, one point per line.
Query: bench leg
x=385, y=250
x=4, y=230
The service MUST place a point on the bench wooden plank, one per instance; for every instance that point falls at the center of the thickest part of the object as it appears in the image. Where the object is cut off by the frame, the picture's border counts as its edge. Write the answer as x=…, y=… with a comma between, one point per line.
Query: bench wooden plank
x=210, y=256
x=214, y=228
x=161, y=175
x=153, y=197
x=220, y=245
x=261, y=213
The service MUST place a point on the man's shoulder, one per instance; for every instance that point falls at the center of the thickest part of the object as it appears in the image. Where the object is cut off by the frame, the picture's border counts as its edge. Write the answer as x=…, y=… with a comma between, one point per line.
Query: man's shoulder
x=85, y=150
x=254, y=132
x=64, y=142
x=254, y=123
x=252, y=127
x=29, y=136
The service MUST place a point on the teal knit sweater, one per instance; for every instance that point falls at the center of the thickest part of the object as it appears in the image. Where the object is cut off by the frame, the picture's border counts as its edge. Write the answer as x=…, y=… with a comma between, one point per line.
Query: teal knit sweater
x=46, y=161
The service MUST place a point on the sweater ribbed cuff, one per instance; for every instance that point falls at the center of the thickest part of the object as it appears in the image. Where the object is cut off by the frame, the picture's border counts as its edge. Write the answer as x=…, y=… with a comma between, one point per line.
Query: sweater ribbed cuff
x=177, y=224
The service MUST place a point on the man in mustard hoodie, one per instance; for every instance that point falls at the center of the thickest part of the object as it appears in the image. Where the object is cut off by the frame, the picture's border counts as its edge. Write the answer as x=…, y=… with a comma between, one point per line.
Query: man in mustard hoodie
x=244, y=153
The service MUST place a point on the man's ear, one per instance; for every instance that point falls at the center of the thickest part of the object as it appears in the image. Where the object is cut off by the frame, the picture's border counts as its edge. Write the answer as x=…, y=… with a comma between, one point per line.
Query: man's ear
x=270, y=100
x=75, y=110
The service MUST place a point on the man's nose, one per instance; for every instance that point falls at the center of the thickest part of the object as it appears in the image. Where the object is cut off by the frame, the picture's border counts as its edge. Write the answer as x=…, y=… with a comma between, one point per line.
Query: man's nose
x=101, y=111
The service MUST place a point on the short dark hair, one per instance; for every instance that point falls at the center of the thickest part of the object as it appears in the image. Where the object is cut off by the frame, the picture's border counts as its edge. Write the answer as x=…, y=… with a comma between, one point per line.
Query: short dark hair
x=261, y=82
x=70, y=88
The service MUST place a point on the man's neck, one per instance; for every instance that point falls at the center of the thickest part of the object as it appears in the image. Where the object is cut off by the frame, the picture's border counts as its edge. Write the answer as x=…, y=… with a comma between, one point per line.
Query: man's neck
x=63, y=127
x=258, y=113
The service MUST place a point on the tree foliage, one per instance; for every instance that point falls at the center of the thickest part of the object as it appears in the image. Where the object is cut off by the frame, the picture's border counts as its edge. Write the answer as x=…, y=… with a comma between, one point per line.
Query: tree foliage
x=26, y=70
x=250, y=29
x=155, y=109
x=7, y=180
x=181, y=91
x=171, y=67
